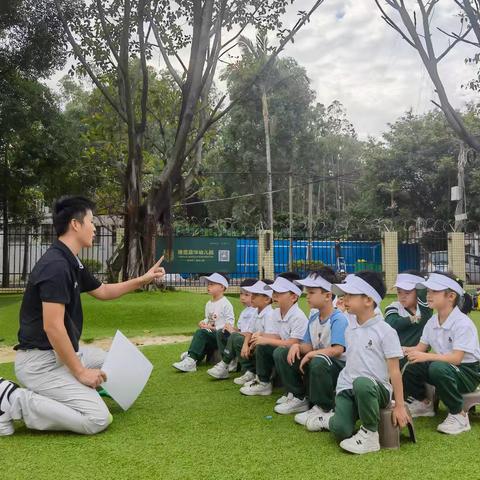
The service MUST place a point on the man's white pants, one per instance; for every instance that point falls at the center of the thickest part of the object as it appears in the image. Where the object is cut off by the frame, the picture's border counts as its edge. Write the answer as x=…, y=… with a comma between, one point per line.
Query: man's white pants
x=53, y=398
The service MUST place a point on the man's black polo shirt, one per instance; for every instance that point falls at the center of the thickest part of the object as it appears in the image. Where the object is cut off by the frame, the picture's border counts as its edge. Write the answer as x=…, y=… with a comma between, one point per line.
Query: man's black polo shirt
x=58, y=277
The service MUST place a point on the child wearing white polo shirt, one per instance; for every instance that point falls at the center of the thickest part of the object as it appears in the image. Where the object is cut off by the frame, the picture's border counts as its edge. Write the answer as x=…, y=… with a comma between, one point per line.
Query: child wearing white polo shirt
x=410, y=313
x=218, y=312
x=454, y=367
x=313, y=366
x=262, y=321
x=363, y=386
x=289, y=324
x=230, y=339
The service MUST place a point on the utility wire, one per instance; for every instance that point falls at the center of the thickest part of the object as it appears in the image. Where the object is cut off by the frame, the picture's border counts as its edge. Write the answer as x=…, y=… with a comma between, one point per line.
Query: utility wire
x=294, y=187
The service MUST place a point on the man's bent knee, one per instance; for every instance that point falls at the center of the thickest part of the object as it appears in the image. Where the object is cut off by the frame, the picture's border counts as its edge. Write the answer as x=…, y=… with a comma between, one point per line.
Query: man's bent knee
x=98, y=422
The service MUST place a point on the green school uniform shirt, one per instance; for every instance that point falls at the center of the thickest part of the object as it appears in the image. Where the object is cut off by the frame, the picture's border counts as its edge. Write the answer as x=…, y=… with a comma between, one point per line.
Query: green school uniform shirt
x=409, y=325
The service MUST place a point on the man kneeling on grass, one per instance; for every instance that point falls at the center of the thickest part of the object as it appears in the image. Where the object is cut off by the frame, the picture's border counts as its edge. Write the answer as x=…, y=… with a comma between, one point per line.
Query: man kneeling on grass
x=60, y=377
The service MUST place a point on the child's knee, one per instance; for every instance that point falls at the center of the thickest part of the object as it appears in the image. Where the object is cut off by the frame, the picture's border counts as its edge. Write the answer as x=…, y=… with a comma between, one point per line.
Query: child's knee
x=363, y=386
x=319, y=365
x=437, y=372
x=280, y=354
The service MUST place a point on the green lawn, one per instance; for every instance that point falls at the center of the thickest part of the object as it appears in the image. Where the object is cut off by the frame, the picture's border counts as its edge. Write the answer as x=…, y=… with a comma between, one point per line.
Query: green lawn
x=188, y=426
x=145, y=313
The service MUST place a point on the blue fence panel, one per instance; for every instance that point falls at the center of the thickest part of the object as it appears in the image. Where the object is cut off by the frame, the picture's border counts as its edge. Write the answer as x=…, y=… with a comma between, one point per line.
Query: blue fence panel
x=247, y=258
x=324, y=251
x=408, y=256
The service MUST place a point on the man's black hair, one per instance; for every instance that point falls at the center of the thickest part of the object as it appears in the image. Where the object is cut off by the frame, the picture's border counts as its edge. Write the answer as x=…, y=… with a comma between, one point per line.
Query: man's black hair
x=67, y=208
x=375, y=280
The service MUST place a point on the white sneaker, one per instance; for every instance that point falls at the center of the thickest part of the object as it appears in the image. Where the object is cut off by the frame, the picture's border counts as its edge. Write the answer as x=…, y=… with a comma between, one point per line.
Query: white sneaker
x=293, y=405
x=6, y=421
x=188, y=364
x=219, y=371
x=232, y=366
x=455, y=424
x=284, y=398
x=301, y=418
x=245, y=378
x=420, y=409
x=363, y=441
x=183, y=356
x=319, y=422
x=256, y=387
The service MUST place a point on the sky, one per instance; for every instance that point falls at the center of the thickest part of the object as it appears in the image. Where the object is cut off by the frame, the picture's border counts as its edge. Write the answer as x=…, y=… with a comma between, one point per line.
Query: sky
x=351, y=55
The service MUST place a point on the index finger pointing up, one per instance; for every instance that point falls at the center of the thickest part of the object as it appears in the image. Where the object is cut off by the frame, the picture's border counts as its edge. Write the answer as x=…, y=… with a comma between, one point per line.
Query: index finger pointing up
x=160, y=261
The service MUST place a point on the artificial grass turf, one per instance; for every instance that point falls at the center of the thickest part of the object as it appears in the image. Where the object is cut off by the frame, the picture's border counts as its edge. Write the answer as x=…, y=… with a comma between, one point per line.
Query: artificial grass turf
x=189, y=426
x=142, y=313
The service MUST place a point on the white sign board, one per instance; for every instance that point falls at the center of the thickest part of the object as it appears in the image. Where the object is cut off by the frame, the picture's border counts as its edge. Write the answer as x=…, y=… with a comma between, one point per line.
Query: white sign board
x=127, y=370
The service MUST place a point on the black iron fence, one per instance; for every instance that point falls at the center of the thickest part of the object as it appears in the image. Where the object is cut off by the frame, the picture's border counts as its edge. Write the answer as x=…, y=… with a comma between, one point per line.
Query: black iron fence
x=427, y=252
x=22, y=247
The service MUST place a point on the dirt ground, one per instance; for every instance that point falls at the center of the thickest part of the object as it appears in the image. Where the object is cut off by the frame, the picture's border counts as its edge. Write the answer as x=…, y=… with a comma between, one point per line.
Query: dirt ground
x=7, y=354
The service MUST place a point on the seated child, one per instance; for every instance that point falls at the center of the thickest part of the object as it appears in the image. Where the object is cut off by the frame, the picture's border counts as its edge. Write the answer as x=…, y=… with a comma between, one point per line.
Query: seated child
x=363, y=386
x=454, y=367
x=230, y=339
x=288, y=326
x=409, y=314
x=309, y=370
x=218, y=312
x=262, y=302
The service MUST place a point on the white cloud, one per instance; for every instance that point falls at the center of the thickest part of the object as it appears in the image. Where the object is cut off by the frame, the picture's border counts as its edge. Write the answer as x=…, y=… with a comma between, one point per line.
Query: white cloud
x=352, y=55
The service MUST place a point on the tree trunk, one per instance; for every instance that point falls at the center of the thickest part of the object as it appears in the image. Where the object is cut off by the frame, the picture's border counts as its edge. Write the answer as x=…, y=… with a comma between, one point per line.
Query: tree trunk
x=266, y=126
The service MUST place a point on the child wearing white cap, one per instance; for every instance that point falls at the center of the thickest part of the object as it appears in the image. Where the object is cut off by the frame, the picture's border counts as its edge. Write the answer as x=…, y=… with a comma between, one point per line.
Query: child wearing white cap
x=454, y=367
x=218, y=312
x=363, y=386
x=230, y=339
x=261, y=322
x=309, y=370
x=410, y=313
x=288, y=326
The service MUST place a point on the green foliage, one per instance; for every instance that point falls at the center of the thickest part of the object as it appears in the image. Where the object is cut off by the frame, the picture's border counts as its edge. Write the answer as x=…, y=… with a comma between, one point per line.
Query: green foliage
x=31, y=39
x=92, y=265
x=410, y=173
x=304, y=266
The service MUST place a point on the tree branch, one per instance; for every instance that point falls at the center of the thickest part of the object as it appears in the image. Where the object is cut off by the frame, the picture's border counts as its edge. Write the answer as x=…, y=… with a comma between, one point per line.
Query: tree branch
x=164, y=53
x=457, y=39
x=79, y=54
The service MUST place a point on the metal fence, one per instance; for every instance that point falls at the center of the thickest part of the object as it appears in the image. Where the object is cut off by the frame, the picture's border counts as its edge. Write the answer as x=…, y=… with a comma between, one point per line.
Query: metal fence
x=23, y=247
x=426, y=252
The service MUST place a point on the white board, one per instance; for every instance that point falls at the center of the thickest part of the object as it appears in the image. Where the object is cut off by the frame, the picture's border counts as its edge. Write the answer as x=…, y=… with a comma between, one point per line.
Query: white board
x=127, y=370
